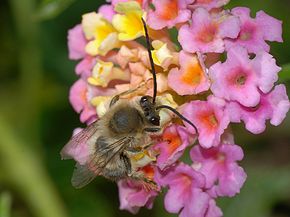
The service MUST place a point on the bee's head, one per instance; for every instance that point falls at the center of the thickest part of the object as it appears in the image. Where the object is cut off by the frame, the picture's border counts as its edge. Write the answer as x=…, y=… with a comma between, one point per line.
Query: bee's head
x=147, y=103
x=150, y=113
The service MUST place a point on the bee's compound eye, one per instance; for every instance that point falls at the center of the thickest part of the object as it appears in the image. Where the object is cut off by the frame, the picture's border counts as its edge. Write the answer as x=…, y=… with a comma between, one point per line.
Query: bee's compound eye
x=155, y=121
x=143, y=100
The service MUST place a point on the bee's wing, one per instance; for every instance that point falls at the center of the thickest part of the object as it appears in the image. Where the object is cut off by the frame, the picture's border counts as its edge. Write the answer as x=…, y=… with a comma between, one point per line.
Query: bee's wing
x=78, y=140
x=84, y=174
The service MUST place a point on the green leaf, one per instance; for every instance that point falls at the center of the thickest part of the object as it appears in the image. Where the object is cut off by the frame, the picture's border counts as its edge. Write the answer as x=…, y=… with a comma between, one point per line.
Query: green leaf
x=264, y=187
x=49, y=9
x=284, y=74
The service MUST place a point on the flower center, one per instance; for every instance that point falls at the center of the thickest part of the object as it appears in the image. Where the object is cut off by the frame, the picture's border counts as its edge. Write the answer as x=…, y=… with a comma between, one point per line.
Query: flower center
x=241, y=80
x=221, y=157
x=208, y=33
x=244, y=36
x=209, y=120
x=247, y=31
x=169, y=10
x=238, y=77
x=173, y=139
x=193, y=74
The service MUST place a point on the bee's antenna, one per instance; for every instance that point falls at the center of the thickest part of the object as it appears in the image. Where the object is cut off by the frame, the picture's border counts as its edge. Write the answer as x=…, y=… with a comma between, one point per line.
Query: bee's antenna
x=151, y=60
x=178, y=114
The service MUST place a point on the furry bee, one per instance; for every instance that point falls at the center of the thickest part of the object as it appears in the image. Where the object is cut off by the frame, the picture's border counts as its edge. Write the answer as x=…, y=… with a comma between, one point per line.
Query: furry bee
x=117, y=139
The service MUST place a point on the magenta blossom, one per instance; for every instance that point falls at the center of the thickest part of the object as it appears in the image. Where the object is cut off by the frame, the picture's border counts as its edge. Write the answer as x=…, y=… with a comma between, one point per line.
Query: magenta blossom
x=132, y=196
x=76, y=43
x=218, y=164
x=84, y=68
x=210, y=119
x=209, y=4
x=241, y=79
x=80, y=100
x=273, y=106
x=254, y=32
x=191, y=78
x=80, y=153
x=206, y=33
x=107, y=11
x=185, y=195
x=168, y=13
x=174, y=141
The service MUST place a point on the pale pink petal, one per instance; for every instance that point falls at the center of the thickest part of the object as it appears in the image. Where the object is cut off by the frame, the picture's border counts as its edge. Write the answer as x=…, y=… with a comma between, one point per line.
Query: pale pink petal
x=107, y=11
x=185, y=191
x=209, y=4
x=273, y=106
x=190, y=78
x=197, y=204
x=168, y=13
x=175, y=139
x=271, y=26
x=254, y=32
x=79, y=153
x=206, y=33
x=218, y=164
x=84, y=67
x=76, y=43
x=132, y=196
x=236, y=79
x=265, y=66
x=213, y=210
x=209, y=118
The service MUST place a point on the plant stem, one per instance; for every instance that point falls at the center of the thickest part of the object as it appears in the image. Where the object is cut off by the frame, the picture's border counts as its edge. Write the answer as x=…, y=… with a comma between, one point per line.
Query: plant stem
x=24, y=172
x=30, y=82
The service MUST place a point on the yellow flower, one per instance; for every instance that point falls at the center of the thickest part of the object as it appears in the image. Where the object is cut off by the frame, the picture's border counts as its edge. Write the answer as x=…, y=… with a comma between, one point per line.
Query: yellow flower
x=129, y=24
x=102, y=34
x=166, y=115
x=104, y=72
x=101, y=103
x=162, y=56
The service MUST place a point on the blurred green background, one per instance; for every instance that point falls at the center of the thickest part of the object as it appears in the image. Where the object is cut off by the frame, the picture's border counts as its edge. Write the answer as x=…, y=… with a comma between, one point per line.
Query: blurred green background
x=36, y=120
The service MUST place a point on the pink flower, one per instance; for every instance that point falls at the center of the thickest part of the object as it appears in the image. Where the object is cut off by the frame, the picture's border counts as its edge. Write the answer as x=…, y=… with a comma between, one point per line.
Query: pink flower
x=175, y=139
x=209, y=118
x=76, y=43
x=107, y=11
x=213, y=210
x=218, y=164
x=132, y=196
x=254, y=32
x=84, y=67
x=79, y=153
x=191, y=78
x=209, y=4
x=207, y=33
x=240, y=78
x=144, y=3
x=79, y=98
x=168, y=13
x=185, y=195
x=81, y=94
x=273, y=106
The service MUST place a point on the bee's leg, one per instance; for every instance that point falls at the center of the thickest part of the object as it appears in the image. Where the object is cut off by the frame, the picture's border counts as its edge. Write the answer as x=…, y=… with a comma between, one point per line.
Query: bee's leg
x=127, y=163
x=147, y=183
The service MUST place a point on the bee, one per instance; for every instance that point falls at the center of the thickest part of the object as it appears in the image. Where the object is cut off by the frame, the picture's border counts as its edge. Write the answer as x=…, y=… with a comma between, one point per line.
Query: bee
x=119, y=142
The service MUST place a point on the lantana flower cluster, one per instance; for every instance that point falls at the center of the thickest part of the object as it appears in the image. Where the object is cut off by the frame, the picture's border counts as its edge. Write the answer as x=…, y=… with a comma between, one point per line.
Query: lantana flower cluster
x=213, y=65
